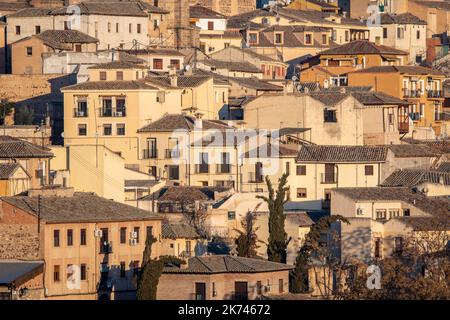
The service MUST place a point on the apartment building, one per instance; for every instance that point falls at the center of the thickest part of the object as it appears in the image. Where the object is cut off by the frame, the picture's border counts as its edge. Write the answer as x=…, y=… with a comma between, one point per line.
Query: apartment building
x=181, y=240
x=226, y=7
x=159, y=59
x=330, y=67
x=91, y=246
x=360, y=8
x=316, y=5
x=2, y=47
x=383, y=219
x=420, y=86
x=28, y=52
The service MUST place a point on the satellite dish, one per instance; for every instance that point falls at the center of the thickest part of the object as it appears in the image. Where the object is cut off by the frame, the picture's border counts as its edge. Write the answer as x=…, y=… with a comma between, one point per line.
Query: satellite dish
x=187, y=68
x=294, y=78
x=62, y=135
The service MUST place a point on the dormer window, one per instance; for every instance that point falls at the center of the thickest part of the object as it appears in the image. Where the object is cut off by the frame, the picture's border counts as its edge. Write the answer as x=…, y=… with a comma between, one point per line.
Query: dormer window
x=278, y=38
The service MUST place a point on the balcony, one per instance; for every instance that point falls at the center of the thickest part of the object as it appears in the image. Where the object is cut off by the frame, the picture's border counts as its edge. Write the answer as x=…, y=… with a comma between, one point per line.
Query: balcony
x=149, y=154
x=80, y=113
x=201, y=168
x=255, y=178
x=435, y=94
x=403, y=127
x=223, y=168
x=106, y=248
x=110, y=113
x=411, y=93
x=172, y=153
x=328, y=178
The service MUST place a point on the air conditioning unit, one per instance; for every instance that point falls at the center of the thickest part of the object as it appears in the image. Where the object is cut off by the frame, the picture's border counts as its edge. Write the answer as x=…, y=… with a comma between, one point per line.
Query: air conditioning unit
x=133, y=242
x=98, y=233
x=133, y=235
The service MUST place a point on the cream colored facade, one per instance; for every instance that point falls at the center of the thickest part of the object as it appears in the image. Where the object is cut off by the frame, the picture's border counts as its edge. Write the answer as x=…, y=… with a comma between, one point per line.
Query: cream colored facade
x=17, y=183
x=90, y=168
x=2, y=48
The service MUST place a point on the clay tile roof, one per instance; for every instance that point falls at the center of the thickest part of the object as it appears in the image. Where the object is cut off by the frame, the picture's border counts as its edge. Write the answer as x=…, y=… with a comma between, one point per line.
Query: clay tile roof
x=255, y=83
x=402, y=18
x=412, y=151
x=114, y=8
x=186, y=194
x=414, y=177
x=438, y=146
x=238, y=66
x=140, y=183
x=329, y=98
x=117, y=65
x=267, y=151
x=110, y=85
x=444, y=166
x=178, y=230
x=82, y=207
x=13, y=6
x=60, y=38
x=8, y=169
x=412, y=70
x=172, y=122
x=228, y=264
x=199, y=12
x=362, y=47
x=30, y=12
x=370, y=98
x=342, y=154
x=431, y=205
x=183, y=81
x=11, y=148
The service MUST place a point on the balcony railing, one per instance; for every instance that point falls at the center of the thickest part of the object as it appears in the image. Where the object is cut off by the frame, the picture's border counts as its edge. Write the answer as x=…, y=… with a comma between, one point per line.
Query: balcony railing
x=201, y=168
x=435, y=94
x=150, y=154
x=111, y=113
x=328, y=178
x=255, y=178
x=106, y=247
x=403, y=127
x=79, y=113
x=411, y=93
x=223, y=168
x=172, y=154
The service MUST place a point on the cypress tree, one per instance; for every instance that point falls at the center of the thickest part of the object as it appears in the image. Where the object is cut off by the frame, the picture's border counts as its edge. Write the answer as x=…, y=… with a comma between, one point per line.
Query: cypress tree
x=246, y=243
x=150, y=273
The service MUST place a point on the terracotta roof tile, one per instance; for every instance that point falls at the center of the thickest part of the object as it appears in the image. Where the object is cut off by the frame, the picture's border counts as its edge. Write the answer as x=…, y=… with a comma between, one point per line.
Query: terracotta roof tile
x=362, y=47
x=414, y=177
x=342, y=154
x=178, y=231
x=11, y=148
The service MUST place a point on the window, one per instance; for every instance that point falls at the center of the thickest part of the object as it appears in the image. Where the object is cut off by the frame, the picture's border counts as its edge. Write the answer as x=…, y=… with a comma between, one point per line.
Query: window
x=78, y=48
x=123, y=235
x=119, y=75
x=329, y=116
x=157, y=64
x=301, y=170
x=29, y=51
x=394, y=213
x=109, y=26
x=175, y=63
x=149, y=231
x=253, y=38
x=210, y=25
x=70, y=272
x=66, y=25
x=368, y=170
x=82, y=130
x=418, y=34
x=400, y=33
x=102, y=75
x=231, y=215
x=377, y=250
x=37, y=29
x=380, y=214
x=174, y=172
x=214, y=292
x=288, y=168
x=83, y=237
x=56, y=238
x=69, y=237
x=17, y=30
x=301, y=192
x=278, y=38
x=122, y=269
x=347, y=35
x=120, y=107
x=161, y=97
x=107, y=129
x=324, y=39
x=138, y=28
x=406, y=212
x=391, y=118
x=130, y=28
x=56, y=273
x=385, y=33
x=258, y=287
x=136, y=230
x=120, y=129
x=280, y=285
x=83, y=272
x=308, y=38
x=117, y=27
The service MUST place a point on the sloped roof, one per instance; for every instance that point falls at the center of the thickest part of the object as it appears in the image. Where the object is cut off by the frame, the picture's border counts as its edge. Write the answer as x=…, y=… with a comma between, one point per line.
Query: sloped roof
x=117, y=65
x=30, y=12
x=17, y=272
x=116, y=8
x=200, y=12
x=414, y=177
x=342, y=154
x=362, y=47
x=413, y=70
x=186, y=194
x=255, y=83
x=238, y=66
x=58, y=39
x=8, y=169
x=268, y=151
x=11, y=148
x=179, y=230
x=172, y=122
x=110, y=85
x=183, y=81
x=444, y=166
x=228, y=264
x=412, y=151
x=402, y=18
x=82, y=207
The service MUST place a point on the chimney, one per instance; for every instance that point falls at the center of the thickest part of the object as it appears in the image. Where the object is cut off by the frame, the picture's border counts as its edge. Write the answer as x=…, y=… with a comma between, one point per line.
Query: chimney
x=198, y=121
x=173, y=76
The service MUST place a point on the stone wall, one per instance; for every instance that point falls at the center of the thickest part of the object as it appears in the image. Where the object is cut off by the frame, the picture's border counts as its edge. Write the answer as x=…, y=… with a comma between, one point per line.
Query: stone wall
x=19, y=242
